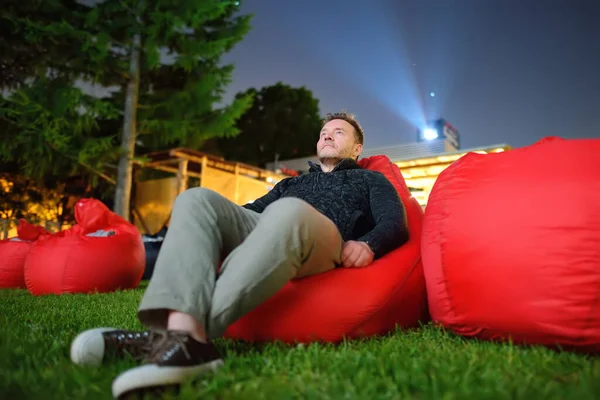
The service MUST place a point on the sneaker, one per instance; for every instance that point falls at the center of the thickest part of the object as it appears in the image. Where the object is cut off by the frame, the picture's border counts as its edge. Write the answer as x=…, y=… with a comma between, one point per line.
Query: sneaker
x=94, y=346
x=175, y=357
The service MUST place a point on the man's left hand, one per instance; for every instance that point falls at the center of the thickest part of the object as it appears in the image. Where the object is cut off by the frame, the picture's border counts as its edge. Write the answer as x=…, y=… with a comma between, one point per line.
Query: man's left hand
x=356, y=254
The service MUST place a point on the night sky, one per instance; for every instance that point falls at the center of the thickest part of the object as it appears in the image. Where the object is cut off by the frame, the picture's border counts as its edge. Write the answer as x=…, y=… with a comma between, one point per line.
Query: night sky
x=503, y=71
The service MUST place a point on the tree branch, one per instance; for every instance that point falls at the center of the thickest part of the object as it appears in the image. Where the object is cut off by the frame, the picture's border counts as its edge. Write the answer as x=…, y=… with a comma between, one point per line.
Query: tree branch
x=89, y=167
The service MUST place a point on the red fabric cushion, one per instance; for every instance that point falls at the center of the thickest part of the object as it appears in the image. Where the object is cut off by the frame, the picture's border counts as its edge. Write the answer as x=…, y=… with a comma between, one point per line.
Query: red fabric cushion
x=348, y=303
x=511, y=245
x=14, y=252
x=84, y=258
x=390, y=171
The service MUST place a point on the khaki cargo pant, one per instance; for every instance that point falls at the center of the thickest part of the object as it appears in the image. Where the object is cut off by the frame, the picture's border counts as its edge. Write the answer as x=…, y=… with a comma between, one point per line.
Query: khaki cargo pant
x=263, y=252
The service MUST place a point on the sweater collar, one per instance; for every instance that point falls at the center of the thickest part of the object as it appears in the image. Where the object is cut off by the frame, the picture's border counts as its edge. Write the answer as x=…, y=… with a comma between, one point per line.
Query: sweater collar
x=346, y=163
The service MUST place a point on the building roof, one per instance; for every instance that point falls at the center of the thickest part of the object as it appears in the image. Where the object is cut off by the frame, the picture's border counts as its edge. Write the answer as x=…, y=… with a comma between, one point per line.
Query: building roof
x=403, y=152
x=407, y=151
x=168, y=160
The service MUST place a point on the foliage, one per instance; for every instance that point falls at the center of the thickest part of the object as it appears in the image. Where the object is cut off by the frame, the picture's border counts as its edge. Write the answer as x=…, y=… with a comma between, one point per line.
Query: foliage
x=282, y=123
x=50, y=128
x=52, y=53
x=181, y=78
x=180, y=111
x=24, y=198
x=17, y=194
x=42, y=36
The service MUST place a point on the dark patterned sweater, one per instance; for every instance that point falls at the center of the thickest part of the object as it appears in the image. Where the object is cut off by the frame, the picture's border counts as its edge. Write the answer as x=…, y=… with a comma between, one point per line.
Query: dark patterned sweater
x=362, y=203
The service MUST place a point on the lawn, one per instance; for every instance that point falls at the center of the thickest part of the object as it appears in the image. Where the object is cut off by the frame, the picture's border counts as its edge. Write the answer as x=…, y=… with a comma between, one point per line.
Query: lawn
x=427, y=363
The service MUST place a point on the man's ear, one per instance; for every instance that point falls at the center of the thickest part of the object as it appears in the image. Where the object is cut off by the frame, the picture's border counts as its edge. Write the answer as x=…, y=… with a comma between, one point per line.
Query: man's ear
x=357, y=150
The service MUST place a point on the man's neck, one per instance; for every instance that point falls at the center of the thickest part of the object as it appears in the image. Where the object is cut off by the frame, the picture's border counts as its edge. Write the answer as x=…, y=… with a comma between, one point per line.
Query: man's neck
x=329, y=164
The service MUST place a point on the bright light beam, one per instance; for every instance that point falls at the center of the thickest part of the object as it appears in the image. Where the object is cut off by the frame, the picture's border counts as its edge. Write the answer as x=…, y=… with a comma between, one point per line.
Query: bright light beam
x=430, y=134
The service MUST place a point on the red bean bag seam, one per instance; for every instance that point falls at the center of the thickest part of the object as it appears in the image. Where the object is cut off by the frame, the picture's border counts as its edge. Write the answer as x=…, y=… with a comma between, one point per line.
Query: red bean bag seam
x=443, y=253
x=64, y=271
x=451, y=311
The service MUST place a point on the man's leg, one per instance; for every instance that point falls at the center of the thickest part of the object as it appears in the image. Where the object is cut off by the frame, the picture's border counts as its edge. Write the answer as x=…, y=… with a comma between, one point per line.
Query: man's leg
x=203, y=226
x=291, y=240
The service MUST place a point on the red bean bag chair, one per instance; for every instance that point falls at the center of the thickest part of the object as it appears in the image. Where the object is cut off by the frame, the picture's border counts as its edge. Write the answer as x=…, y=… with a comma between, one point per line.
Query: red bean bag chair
x=348, y=303
x=14, y=251
x=511, y=245
x=101, y=253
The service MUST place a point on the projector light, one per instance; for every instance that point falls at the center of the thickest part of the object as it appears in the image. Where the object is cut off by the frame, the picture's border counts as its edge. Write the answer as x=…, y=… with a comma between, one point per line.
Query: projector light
x=430, y=134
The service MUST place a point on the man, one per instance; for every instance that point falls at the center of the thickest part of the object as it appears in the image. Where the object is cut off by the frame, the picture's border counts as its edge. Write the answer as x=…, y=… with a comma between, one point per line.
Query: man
x=338, y=215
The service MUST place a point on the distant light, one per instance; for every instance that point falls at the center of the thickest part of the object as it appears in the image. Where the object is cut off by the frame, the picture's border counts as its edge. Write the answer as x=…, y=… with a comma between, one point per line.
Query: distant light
x=432, y=94
x=430, y=134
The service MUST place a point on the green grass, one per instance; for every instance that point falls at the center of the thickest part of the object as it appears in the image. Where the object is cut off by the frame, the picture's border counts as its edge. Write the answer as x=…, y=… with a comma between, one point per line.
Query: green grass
x=428, y=363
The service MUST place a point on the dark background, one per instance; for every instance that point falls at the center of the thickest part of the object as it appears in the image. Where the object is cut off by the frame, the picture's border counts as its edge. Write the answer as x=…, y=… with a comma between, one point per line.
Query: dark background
x=503, y=71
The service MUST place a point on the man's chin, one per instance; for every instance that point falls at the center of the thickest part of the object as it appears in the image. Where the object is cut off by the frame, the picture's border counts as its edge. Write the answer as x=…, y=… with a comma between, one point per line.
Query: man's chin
x=328, y=153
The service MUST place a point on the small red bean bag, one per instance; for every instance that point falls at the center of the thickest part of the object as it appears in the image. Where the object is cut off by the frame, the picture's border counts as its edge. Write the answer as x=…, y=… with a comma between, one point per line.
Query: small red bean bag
x=14, y=251
x=102, y=253
x=348, y=303
x=511, y=245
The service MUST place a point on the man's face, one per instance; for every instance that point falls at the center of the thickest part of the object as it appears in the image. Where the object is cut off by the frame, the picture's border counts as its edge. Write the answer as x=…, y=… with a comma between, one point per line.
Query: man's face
x=338, y=141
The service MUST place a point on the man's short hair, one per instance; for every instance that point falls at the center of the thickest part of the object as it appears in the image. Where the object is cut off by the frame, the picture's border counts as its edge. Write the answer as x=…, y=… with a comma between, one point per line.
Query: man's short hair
x=349, y=118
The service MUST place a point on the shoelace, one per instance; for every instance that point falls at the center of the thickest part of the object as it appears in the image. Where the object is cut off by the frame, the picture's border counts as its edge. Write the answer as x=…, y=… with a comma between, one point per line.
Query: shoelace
x=166, y=344
x=136, y=344
x=147, y=345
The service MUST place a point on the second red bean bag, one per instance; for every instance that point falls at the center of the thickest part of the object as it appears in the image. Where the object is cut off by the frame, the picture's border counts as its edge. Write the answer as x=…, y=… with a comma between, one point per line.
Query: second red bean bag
x=101, y=253
x=511, y=245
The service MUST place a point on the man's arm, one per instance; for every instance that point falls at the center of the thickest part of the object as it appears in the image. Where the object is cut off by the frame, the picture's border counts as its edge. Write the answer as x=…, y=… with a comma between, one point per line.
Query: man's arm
x=391, y=227
x=261, y=203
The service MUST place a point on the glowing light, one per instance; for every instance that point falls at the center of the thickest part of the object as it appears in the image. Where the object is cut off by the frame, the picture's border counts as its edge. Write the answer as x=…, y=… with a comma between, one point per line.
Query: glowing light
x=432, y=94
x=430, y=134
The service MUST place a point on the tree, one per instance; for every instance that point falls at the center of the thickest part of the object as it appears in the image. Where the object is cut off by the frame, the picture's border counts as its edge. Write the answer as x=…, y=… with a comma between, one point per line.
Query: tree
x=283, y=122
x=160, y=58
x=47, y=129
x=48, y=125
x=37, y=36
x=154, y=39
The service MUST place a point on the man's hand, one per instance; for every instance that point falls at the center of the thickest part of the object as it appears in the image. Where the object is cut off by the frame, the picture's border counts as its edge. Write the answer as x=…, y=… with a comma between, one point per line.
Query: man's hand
x=356, y=254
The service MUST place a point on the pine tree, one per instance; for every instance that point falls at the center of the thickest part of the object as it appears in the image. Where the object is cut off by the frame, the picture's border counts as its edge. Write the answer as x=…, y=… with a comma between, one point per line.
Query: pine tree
x=48, y=125
x=164, y=55
x=159, y=59
x=38, y=37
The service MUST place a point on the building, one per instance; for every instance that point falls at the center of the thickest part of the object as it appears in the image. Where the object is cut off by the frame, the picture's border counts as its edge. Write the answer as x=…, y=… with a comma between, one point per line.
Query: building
x=182, y=168
x=421, y=162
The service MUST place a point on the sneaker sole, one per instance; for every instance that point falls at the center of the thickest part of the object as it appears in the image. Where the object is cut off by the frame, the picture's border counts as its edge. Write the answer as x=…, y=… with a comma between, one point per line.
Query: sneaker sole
x=88, y=347
x=149, y=376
